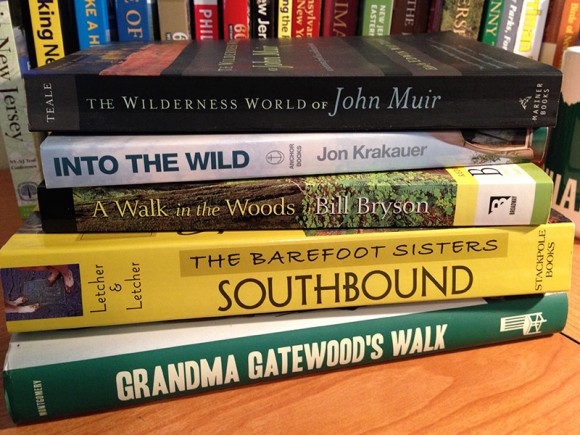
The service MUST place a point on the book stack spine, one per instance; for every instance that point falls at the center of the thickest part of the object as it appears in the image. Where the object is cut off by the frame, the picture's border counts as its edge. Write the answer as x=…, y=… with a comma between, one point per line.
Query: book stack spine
x=297, y=204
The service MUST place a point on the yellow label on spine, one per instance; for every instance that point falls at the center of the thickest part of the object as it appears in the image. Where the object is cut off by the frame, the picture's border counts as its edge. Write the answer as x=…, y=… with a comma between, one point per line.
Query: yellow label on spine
x=467, y=194
x=46, y=30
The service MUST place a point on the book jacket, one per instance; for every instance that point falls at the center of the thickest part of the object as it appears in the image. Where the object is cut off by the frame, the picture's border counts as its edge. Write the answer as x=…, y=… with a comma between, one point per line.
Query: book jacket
x=63, y=373
x=508, y=194
x=61, y=281
x=420, y=81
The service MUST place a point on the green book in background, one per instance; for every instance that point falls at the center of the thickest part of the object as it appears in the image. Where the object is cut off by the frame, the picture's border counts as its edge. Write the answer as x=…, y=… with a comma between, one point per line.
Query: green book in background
x=64, y=373
x=376, y=17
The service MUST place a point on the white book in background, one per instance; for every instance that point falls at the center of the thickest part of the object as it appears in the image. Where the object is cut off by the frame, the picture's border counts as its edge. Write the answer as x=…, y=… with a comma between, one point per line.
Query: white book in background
x=20, y=143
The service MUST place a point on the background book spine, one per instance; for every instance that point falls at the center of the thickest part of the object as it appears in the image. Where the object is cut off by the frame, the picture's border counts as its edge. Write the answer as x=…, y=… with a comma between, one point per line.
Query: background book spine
x=512, y=12
x=75, y=161
x=206, y=19
x=137, y=20
x=435, y=12
x=569, y=33
x=54, y=29
x=175, y=23
x=463, y=18
x=410, y=16
x=20, y=143
x=285, y=19
x=340, y=17
x=551, y=30
x=92, y=21
x=307, y=17
x=263, y=14
x=531, y=28
x=491, y=22
x=236, y=19
x=124, y=278
x=376, y=17
x=480, y=195
x=133, y=374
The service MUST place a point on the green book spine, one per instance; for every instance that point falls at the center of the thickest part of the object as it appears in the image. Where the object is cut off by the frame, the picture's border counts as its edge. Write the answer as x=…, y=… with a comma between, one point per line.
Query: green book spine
x=376, y=17
x=509, y=194
x=63, y=373
x=491, y=22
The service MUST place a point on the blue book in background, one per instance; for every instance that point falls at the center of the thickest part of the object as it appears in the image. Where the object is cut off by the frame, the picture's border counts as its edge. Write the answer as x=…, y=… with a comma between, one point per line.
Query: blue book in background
x=92, y=22
x=137, y=20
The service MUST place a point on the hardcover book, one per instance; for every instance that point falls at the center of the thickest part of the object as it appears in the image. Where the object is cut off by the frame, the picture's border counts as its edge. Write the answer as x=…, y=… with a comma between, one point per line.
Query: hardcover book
x=20, y=143
x=414, y=82
x=510, y=194
x=61, y=281
x=74, y=161
x=124, y=366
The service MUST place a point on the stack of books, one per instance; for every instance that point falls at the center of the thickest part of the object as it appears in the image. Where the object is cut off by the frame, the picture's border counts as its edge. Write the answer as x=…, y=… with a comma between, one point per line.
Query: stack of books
x=227, y=212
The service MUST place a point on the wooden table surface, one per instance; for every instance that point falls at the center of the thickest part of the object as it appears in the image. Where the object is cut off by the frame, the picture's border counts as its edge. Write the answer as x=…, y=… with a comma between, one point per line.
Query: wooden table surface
x=523, y=387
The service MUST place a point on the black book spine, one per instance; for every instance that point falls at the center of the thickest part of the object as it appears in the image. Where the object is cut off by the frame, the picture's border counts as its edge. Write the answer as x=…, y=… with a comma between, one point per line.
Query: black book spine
x=117, y=104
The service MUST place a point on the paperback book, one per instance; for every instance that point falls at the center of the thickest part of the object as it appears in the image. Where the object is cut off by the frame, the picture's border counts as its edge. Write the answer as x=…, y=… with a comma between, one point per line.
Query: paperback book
x=74, y=161
x=20, y=143
x=509, y=194
x=123, y=366
x=62, y=281
x=412, y=82
x=54, y=29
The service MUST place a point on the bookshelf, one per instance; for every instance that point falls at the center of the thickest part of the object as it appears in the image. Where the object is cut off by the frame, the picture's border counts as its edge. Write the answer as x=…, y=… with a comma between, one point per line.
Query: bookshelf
x=524, y=387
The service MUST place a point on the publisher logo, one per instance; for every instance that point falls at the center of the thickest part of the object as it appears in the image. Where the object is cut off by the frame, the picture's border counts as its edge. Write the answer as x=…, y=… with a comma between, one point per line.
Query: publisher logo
x=524, y=102
x=27, y=191
x=499, y=203
x=529, y=324
x=275, y=157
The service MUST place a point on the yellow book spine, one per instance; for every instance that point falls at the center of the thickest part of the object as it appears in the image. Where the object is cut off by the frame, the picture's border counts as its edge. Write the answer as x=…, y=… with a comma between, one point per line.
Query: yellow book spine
x=46, y=30
x=285, y=18
x=103, y=279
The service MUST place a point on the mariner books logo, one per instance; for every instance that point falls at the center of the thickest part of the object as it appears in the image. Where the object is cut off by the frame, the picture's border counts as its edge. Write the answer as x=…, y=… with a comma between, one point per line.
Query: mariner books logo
x=524, y=102
x=498, y=204
x=529, y=324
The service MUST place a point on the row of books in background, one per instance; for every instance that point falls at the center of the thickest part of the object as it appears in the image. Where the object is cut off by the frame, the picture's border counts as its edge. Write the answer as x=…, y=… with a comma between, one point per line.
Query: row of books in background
x=323, y=245
x=63, y=26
